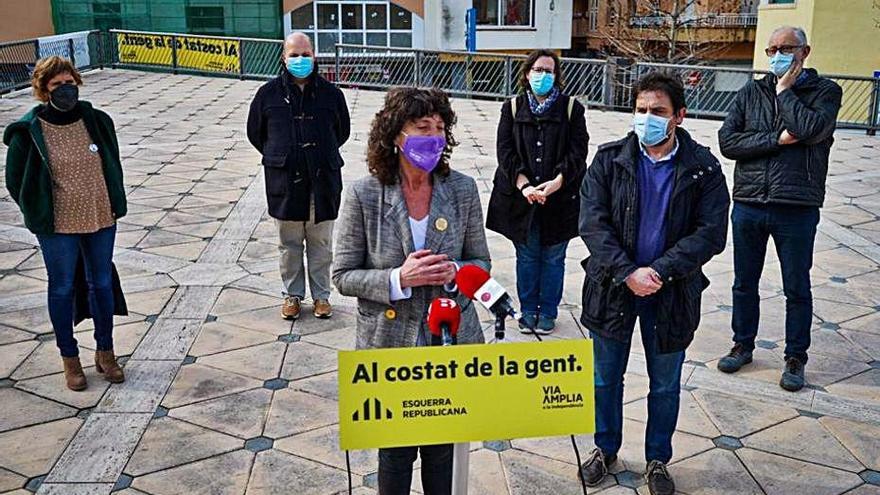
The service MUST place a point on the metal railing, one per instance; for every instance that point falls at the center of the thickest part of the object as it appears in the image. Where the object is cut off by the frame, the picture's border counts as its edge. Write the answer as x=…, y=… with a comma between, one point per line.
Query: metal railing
x=17, y=58
x=605, y=84
x=724, y=20
x=484, y=75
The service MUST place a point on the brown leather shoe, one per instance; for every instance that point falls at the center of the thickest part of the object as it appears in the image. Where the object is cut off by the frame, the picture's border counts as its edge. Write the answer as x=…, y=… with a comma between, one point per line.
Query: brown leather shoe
x=323, y=309
x=105, y=362
x=291, y=308
x=73, y=374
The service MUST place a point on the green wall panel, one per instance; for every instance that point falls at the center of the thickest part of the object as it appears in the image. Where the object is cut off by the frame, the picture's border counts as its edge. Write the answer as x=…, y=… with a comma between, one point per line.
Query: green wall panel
x=245, y=18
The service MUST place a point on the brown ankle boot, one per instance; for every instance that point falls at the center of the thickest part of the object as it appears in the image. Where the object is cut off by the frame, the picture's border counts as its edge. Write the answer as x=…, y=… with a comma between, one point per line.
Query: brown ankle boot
x=73, y=374
x=105, y=362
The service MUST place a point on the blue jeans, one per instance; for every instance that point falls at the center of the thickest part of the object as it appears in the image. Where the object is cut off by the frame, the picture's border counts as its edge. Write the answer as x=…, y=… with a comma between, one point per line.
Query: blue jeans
x=396, y=467
x=664, y=374
x=793, y=229
x=61, y=253
x=540, y=272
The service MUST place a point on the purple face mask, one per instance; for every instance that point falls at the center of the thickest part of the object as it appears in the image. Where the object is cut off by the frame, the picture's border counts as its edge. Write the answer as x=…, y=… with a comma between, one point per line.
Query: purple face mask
x=424, y=152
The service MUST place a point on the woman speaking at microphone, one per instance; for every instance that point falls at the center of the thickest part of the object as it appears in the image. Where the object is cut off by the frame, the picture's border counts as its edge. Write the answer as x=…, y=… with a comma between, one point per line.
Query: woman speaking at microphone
x=404, y=231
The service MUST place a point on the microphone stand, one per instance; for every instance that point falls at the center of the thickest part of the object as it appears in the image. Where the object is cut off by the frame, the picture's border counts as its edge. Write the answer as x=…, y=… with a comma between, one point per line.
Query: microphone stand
x=499, y=326
x=460, y=451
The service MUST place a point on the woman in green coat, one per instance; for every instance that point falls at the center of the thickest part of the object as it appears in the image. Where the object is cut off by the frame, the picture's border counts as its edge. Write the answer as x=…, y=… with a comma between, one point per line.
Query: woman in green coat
x=63, y=170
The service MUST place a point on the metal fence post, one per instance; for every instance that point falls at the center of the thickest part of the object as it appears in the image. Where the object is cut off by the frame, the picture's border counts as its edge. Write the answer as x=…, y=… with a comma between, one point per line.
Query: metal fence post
x=37, y=50
x=337, y=75
x=70, y=50
x=418, y=68
x=609, y=86
x=241, y=70
x=507, y=86
x=174, y=54
x=874, y=109
x=99, y=48
x=468, y=77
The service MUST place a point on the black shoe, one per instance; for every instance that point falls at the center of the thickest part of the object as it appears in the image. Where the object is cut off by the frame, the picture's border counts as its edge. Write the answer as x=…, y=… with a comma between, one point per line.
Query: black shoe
x=659, y=481
x=594, y=470
x=736, y=359
x=527, y=323
x=793, y=375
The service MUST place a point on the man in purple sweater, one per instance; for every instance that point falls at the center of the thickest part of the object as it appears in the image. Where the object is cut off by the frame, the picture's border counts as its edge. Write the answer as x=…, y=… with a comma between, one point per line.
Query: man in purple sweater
x=653, y=212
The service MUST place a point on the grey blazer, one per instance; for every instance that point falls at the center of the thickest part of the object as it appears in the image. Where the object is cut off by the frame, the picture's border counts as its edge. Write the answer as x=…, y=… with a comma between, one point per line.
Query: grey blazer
x=375, y=237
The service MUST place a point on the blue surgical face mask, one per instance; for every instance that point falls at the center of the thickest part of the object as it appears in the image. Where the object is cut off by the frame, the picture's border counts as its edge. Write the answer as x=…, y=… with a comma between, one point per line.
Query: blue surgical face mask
x=541, y=82
x=300, y=67
x=651, y=129
x=780, y=63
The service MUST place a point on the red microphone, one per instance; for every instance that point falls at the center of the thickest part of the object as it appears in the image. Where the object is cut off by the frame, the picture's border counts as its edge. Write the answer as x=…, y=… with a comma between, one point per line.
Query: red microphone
x=444, y=316
x=475, y=283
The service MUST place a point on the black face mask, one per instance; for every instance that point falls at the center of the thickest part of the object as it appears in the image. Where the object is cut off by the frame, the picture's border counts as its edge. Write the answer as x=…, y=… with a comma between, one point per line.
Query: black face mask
x=64, y=97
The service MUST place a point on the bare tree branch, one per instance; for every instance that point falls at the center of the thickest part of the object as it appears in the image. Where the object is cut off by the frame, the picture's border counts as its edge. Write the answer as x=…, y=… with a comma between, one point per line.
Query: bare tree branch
x=667, y=30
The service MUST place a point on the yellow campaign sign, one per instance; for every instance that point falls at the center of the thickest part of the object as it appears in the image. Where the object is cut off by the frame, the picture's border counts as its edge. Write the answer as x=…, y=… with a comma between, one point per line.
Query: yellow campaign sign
x=193, y=52
x=431, y=395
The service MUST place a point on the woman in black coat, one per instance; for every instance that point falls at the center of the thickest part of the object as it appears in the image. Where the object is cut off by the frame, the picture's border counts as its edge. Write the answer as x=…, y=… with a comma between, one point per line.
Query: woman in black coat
x=542, y=155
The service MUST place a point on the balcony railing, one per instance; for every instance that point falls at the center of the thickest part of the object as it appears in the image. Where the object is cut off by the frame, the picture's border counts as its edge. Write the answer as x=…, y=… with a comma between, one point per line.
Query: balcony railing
x=704, y=21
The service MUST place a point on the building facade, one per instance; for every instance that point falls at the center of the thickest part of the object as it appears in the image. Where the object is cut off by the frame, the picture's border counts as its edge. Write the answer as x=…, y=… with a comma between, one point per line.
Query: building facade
x=843, y=34
x=25, y=19
x=720, y=31
x=502, y=25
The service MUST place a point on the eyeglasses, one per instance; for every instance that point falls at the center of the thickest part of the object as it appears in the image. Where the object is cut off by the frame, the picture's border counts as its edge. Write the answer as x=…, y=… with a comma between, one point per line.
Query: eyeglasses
x=786, y=49
x=542, y=70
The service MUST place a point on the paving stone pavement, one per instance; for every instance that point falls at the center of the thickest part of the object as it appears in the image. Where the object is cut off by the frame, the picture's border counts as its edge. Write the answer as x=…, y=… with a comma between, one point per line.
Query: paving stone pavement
x=224, y=397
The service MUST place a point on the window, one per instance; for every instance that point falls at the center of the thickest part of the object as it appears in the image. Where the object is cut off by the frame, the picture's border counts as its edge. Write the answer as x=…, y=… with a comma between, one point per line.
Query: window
x=504, y=13
x=353, y=38
x=401, y=40
x=303, y=18
x=377, y=17
x=593, y=15
x=352, y=17
x=400, y=18
x=107, y=15
x=487, y=12
x=366, y=22
x=327, y=40
x=377, y=39
x=205, y=20
x=328, y=16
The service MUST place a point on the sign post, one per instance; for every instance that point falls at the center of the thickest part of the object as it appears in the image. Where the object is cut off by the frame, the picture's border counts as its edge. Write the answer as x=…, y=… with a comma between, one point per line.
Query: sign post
x=470, y=35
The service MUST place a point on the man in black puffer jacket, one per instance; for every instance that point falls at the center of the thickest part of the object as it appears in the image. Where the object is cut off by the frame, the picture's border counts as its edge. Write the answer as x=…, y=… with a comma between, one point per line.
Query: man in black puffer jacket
x=780, y=132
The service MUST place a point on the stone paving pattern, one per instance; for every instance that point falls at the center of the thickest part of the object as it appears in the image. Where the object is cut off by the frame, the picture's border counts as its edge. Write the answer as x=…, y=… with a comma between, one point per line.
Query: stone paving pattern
x=224, y=397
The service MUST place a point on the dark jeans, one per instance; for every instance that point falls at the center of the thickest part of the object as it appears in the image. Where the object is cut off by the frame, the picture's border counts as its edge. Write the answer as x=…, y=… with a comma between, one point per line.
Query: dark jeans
x=664, y=374
x=793, y=229
x=396, y=467
x=61, y=252
x=540, y=272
